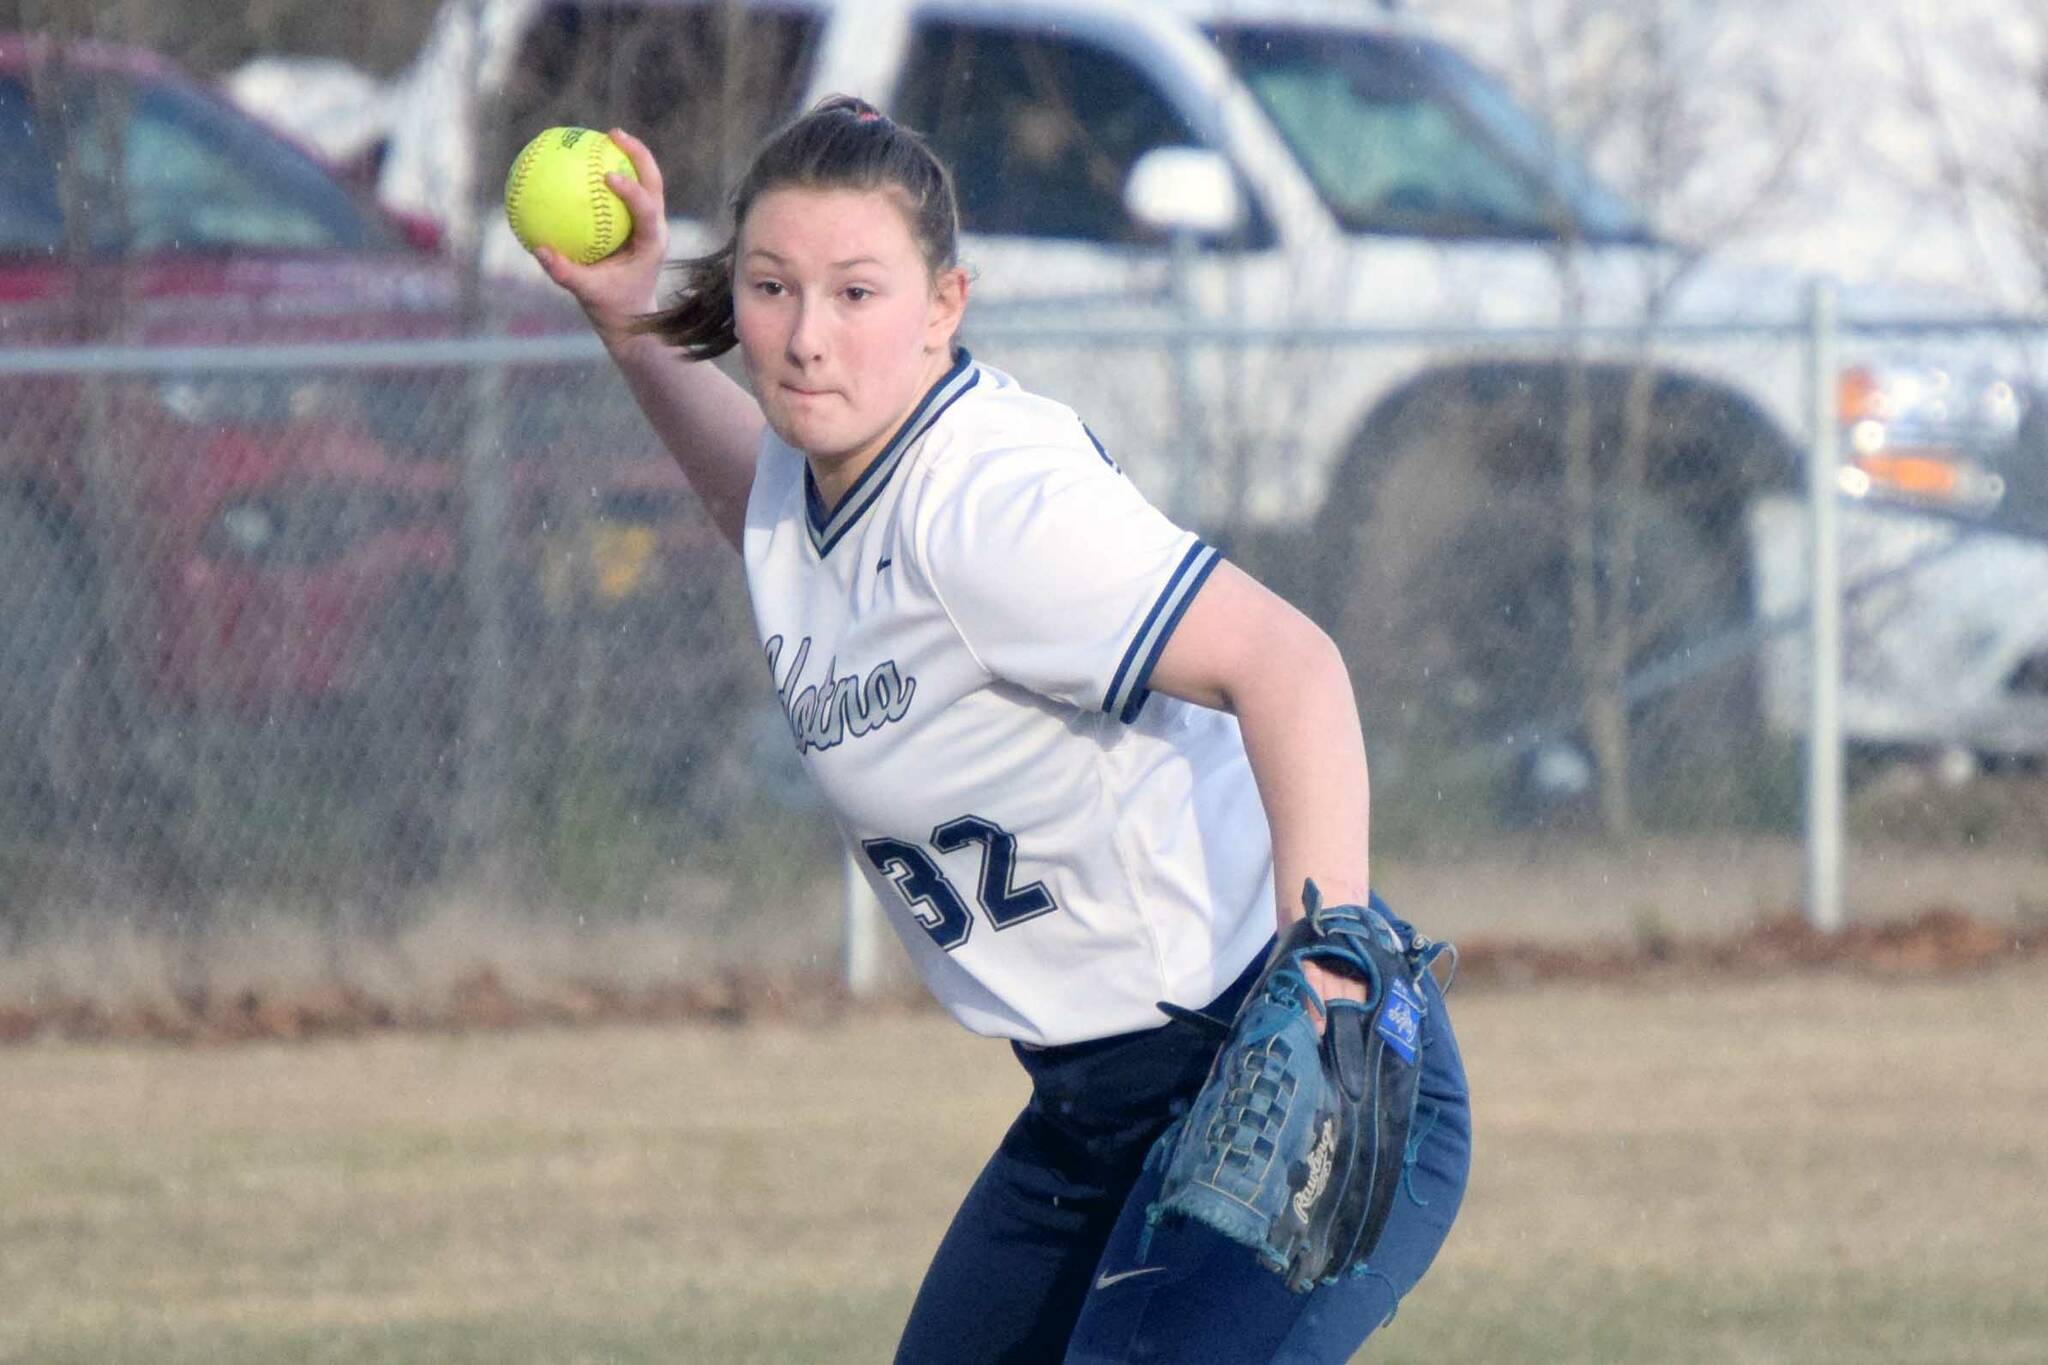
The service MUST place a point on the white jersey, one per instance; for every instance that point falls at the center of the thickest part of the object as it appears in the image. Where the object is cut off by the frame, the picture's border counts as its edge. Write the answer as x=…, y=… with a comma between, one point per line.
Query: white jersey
x=962, y=647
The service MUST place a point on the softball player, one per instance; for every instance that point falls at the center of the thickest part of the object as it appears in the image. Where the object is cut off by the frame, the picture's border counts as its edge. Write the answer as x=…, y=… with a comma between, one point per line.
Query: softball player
x=1073, y=750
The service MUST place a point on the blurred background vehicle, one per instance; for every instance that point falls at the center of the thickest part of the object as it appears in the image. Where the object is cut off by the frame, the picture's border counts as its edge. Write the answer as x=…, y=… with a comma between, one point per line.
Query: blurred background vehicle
x=213, y=568
x=1331, y=294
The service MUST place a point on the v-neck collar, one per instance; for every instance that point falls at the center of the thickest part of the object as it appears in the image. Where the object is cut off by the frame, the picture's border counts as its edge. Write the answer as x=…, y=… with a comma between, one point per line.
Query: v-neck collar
x=827, y=528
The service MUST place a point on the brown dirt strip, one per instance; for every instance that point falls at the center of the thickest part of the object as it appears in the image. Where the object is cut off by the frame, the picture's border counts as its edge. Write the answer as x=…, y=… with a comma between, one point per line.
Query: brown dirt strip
x=1939, y=941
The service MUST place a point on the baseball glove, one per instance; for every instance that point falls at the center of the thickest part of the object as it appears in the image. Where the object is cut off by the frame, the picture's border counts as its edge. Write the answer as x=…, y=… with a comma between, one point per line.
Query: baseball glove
x=1296, y=1144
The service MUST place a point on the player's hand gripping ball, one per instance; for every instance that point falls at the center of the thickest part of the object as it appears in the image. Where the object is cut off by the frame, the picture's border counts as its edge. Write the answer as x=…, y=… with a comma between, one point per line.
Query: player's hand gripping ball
x=556, y=196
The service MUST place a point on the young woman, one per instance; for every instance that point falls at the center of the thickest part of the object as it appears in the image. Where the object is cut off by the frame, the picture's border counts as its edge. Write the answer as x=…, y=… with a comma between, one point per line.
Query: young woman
x=1075, y=750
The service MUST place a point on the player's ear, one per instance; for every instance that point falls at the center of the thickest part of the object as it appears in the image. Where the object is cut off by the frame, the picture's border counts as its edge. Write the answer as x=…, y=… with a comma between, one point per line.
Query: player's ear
x=949, y=304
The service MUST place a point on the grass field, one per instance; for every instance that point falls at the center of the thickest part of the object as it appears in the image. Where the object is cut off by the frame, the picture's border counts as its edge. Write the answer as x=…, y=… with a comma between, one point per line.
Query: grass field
x=1807, y=1169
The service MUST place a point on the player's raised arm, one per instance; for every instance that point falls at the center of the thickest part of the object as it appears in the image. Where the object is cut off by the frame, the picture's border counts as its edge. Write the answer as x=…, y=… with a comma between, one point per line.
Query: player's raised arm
x=710, y=425
x=1243, y=649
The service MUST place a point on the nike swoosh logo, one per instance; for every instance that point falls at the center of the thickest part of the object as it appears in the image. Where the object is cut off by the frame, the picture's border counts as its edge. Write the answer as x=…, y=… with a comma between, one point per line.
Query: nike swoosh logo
x=1105, y=1281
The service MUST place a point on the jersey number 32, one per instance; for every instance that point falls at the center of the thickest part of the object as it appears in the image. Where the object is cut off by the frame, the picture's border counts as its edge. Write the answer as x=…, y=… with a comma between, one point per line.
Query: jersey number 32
x=931, y=894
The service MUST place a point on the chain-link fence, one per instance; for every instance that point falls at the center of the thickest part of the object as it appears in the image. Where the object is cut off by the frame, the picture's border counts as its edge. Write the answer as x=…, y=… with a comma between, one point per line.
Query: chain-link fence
x=1504, y=527
x=338, y=629
x=349, y=632
x=1570, y=570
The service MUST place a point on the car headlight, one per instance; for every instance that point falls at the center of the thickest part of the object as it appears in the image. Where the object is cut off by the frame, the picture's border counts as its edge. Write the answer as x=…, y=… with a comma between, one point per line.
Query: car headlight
x=250, y=400
x=249, y=528
x=298, y=526
x=1925, y=434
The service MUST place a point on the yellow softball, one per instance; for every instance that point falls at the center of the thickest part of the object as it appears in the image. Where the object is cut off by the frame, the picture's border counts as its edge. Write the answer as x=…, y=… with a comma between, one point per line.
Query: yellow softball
x=555, y=195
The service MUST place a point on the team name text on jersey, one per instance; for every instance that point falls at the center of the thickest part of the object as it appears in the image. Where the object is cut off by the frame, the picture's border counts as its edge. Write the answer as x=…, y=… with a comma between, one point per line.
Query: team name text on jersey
x=821, y=716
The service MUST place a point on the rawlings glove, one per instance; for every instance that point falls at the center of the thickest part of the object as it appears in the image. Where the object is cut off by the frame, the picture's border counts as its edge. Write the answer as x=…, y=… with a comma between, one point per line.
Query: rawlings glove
x=1296, y=1143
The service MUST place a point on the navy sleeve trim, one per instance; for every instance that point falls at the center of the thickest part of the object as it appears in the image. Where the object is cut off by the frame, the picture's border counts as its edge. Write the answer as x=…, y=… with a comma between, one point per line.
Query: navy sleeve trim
x=1100, y=449
x=1127, y=689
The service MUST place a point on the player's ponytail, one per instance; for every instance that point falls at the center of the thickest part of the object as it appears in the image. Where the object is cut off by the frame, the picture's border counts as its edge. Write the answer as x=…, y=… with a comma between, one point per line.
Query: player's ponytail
x=843, y=143
x=699, y=321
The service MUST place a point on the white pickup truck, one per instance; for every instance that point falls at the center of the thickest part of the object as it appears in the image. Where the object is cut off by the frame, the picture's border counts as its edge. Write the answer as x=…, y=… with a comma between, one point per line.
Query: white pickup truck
x=1329, y=293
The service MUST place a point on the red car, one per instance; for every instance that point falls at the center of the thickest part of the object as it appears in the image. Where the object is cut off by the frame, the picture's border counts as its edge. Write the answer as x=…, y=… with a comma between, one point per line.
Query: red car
x=265, y=548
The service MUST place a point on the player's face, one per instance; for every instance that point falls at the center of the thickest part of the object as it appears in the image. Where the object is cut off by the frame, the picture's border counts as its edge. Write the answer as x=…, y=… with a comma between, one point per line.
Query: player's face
x=841, y=324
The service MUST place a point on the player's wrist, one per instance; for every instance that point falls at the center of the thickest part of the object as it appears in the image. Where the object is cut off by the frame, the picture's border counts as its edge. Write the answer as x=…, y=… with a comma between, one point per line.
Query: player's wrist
x=1343, y=890
x=622, y=337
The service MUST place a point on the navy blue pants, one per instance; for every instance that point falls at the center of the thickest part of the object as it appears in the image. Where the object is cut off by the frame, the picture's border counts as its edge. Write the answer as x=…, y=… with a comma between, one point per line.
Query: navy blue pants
x=1042, y=1263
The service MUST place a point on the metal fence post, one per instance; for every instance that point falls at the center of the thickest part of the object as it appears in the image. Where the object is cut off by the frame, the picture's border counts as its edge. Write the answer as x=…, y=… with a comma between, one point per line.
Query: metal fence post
x=1192, y=467
x=480, y=801
x=1824, y=781
x=480, y=804
x=862, y=914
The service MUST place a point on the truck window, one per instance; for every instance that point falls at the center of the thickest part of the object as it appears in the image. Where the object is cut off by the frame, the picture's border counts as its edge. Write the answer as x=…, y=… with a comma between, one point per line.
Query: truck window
x=701, y=83
x=165, y=169
x=1040, y=130
x=30, y=222
x=1401, y=136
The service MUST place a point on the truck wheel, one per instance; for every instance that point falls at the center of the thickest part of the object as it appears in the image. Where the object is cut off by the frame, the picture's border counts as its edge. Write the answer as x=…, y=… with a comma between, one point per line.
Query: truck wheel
x=1493, y=602
x=1446, y=580
x=46, y=617
x=74, y=739
x=401, y=742
x=100, y=745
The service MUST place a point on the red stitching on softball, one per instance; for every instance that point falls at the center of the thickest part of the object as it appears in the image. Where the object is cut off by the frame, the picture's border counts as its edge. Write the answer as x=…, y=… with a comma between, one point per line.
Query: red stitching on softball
x=522, y=166
x=600, y=203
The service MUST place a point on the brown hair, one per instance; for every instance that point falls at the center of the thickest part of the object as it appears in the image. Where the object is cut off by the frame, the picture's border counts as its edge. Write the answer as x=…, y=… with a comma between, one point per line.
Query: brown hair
x=843, y=143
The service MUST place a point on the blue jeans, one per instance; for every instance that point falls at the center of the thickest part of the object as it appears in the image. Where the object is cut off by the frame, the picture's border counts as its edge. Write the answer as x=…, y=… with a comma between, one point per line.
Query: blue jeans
x=1041, y=1263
